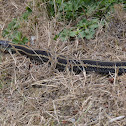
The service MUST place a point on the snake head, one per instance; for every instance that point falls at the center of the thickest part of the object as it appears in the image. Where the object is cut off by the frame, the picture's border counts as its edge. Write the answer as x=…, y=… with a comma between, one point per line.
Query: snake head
x=4, y=45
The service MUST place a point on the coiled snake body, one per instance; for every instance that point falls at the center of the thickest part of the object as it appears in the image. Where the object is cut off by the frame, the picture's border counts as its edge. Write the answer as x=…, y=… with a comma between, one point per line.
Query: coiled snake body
x=62, y=63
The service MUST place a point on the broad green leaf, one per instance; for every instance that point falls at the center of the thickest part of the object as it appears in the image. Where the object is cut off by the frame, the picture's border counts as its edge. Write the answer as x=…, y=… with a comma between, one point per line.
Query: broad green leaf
x=72, y=33
x=89, y=36
x=87, y=31
x=93, y=26
x=82, y=34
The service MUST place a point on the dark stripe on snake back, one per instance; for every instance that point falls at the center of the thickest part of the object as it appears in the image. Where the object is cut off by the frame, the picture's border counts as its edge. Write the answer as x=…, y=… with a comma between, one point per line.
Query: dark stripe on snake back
x=62, y=62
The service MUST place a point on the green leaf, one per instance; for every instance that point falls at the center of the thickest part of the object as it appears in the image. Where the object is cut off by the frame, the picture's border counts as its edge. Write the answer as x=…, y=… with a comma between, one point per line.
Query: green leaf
x=87, y=31
x=72, y=33
x=89, y=36
x=82, y=23
x=18, y=35
x=56, y=37
x=95, y=20
x=93, y=26
x=5, y=32
x=15, y=41
x=64, y=38
x=29, y=9
x=25, y=15
x=13, y=25
x=82, y=34
x=24, y=40
x=59, y=1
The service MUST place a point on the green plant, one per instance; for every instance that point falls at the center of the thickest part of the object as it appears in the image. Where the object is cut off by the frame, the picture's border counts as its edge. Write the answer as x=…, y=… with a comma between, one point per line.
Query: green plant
x=92, y=12
x=19, y=38
x=12, y=31
x=84, y=29
x=26, y=14
x=66, y=9
x=71, y=9
x=87, y=28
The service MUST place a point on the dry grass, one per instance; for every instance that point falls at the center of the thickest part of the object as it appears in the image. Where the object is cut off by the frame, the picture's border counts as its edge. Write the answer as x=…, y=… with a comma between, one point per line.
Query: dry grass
x=40, y=95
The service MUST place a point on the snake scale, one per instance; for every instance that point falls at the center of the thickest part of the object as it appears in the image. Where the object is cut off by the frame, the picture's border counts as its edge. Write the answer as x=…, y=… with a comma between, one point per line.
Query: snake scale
x=62, y=62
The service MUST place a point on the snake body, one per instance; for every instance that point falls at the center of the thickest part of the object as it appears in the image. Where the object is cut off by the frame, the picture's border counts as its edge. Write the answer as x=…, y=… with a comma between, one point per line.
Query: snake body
x=62, y=62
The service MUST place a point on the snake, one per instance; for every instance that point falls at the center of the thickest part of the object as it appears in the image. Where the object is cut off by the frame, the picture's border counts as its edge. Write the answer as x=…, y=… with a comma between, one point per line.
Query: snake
x=62, y=63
